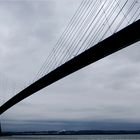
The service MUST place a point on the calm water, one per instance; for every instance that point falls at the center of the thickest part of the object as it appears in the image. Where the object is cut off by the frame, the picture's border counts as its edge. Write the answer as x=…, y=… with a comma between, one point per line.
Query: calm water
x=75, y=137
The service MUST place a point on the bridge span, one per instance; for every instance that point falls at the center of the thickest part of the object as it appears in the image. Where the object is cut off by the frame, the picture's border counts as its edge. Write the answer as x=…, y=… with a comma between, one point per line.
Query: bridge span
x=117, y=41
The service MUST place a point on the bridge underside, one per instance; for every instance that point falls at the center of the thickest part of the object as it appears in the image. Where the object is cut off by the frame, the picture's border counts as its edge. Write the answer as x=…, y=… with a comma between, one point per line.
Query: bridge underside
x=119, y=40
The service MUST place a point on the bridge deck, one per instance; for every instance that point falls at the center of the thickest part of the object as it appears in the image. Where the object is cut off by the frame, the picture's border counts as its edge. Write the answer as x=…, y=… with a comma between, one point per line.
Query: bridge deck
x=119, y=40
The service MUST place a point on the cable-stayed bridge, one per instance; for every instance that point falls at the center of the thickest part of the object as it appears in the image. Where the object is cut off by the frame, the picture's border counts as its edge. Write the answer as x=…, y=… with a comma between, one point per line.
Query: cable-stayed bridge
x=98, y=29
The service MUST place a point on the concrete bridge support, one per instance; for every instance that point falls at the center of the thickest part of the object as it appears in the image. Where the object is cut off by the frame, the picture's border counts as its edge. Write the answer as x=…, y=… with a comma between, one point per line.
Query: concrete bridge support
x=0, y=129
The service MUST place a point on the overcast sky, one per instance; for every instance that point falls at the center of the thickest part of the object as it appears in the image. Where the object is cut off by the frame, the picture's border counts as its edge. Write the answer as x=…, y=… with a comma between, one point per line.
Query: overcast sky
x=104, y=95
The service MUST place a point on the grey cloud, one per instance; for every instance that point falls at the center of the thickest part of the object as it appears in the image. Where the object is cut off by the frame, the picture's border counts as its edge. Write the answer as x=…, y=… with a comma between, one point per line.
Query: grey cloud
x=70, y=125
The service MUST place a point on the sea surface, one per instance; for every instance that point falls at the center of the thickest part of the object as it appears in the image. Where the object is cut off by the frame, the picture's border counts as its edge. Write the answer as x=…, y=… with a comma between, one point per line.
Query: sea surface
x=73, y=137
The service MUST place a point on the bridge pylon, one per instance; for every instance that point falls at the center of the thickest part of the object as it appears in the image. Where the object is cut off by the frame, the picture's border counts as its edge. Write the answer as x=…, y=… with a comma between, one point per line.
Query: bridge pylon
x=0, y=129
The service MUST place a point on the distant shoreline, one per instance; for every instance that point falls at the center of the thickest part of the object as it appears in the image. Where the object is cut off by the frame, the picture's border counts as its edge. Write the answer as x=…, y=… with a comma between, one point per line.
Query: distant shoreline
x=80, y=132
